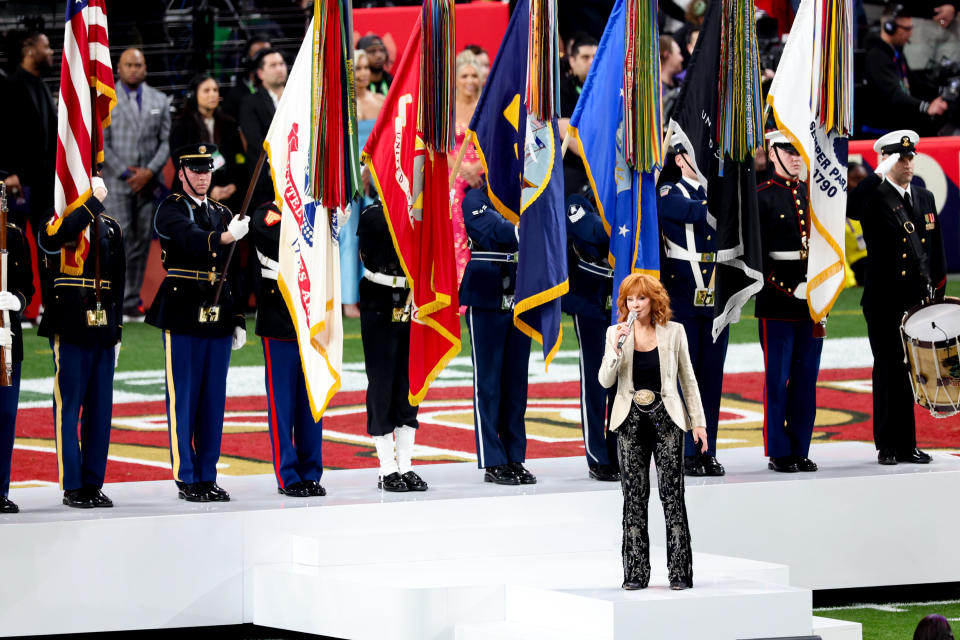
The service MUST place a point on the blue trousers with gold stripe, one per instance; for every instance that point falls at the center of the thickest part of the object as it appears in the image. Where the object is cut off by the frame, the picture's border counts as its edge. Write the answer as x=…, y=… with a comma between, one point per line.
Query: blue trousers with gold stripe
x=83, y=380
x=196, y=373
x=296, y=439
x=8, y=423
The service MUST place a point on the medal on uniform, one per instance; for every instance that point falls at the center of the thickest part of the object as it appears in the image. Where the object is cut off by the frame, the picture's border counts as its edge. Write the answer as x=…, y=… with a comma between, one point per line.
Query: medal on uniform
x=97, y=317
x=703, y=297
x=931, y=219
x=209, y=314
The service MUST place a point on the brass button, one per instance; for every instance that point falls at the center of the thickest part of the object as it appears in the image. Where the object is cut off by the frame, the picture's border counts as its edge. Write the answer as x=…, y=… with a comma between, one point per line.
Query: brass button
x=174, y=288
x=789, y=290
x=922, y=240
x=781, y=284
x=704, y=271
x=903, y=273
x=803, y=223
x=708, y=237
x=904, y=255
x=781, y=215
x=214, y=255
x=798, y=202
x=800, y=211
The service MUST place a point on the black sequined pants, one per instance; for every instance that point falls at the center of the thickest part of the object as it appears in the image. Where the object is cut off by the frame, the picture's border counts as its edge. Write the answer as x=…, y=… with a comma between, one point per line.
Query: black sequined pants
x=640, y=436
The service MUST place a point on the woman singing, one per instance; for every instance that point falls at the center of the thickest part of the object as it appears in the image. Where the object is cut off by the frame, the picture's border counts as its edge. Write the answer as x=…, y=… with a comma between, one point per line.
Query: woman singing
x=646, y=358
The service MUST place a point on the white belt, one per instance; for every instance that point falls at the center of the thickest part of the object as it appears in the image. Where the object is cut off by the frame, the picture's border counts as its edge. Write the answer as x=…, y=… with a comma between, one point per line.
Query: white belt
x=675, y=251
x=269, y=269
x=397, y=282
x=787, y=255
x=595, y=269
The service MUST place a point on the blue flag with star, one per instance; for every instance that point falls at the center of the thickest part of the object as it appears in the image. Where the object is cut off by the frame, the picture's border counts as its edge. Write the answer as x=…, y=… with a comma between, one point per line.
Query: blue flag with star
x=524, y=173
x=626, y=199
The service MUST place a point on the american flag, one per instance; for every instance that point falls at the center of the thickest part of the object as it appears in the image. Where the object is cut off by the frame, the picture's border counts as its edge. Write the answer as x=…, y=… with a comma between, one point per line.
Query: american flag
x=86, y=65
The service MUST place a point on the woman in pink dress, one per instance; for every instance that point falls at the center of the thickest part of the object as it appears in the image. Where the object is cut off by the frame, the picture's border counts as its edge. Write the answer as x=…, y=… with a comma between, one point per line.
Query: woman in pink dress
x=470, y=173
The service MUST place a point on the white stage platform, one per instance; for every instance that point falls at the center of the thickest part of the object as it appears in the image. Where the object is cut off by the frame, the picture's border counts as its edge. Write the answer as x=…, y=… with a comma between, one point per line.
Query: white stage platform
x=469, y=560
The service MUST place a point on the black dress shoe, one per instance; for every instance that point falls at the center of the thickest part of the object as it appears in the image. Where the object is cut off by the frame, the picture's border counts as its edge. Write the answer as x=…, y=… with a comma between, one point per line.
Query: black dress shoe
x=711, y=466
x=805, y=464
x=315, y=488
x=500, y=474
x=633, y=585
x=783, y=464
x=692, y=466
x=393, y=482
x=8, y=506
x=99, y=498
x=78, y=499
x=216, y=492
x=916, y=457
x=604, y=473
x=414, y=482
x=679, y=585
x=295, y=490
x=194, y=492
x=521, y=472
x=887, y=456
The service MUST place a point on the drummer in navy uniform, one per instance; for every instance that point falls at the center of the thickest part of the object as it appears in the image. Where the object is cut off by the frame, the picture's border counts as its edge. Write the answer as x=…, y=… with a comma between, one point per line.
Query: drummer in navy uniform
x=84, y=331
x=296, y=439
x=589, y=302
x=14, y=299
x=198, y=331
x=907, y=267
x=790, y=340
x=500, y=351
x=385, y=308
x=687, y=271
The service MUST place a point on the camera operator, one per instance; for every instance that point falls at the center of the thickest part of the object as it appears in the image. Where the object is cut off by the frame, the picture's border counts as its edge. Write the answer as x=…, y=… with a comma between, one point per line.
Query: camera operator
x=895, y=97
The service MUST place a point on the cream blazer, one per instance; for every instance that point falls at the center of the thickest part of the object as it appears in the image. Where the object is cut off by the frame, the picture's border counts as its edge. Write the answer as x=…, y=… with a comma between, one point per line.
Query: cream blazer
x=674, y=364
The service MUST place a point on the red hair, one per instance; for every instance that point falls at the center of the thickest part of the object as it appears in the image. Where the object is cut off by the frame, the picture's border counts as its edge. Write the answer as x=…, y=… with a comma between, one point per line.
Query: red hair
x=640, y=284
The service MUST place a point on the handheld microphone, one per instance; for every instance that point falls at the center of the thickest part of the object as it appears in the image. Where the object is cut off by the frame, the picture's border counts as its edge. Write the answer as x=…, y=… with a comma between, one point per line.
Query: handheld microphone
x=630, y=320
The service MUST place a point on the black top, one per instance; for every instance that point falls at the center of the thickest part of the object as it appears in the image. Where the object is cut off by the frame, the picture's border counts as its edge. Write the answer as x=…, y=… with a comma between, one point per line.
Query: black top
x=379, y=256
x=784, y=227
x=646, y=370
x=273, y=316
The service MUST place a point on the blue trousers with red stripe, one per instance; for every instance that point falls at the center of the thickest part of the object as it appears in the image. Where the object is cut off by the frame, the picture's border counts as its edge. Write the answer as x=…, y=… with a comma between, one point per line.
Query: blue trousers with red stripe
x=82, y=393
x=196, y=374
x=8, y=422
x=791, y=358
x=296, y=439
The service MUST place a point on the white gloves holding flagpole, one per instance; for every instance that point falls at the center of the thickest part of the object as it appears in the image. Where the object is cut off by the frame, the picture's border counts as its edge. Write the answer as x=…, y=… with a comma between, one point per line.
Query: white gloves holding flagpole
x=9, y=301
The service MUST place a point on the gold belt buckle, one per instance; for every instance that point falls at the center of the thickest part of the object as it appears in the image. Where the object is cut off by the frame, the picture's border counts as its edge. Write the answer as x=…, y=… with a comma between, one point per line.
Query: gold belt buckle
x=212, y=277
x=703, y=297
x=708, y=257
x=908, y=227
x=96, y=317
x=398, y=315
x=210, y=314
x=803, y=254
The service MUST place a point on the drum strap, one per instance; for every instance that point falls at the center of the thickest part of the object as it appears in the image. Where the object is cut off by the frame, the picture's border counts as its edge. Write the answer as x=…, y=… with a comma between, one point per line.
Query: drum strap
x=892, y=199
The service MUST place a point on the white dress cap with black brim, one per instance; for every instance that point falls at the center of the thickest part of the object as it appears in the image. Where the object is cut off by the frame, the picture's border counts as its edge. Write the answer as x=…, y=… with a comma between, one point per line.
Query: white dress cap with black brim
x=901, y=141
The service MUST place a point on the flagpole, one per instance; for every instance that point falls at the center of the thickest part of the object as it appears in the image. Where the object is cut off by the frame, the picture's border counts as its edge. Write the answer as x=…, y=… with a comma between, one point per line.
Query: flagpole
x=565, y=145
x=458, y=162
x=666, y=141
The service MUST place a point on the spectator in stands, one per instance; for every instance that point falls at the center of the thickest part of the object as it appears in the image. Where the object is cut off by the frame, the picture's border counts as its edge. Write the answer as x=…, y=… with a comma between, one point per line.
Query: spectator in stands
x=256, y=113
x=671, y=64
x=894, y=98
x=248, y=83
x=582, y=51
x=686, y=36
x=136, y=145
x=470, y=173
x=380, y=80
x=936, y=34
x=933, y=627
x=483, y=60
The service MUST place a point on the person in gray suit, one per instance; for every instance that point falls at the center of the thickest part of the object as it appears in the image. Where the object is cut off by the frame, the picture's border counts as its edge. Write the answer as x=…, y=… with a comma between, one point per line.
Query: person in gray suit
x=136, y=145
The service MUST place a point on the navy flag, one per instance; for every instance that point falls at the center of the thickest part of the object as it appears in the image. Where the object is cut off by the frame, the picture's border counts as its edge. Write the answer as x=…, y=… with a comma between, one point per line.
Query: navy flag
x=521, y=159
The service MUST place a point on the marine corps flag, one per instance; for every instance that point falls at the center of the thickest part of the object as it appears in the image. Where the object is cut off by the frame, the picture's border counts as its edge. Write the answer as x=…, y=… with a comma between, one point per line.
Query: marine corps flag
x=514, y=128
x=407, y=157
x=811, y=102
x=718, y=120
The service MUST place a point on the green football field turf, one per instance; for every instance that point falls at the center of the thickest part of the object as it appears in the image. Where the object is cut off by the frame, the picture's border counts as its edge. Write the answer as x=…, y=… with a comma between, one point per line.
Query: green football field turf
x=143, y=350
x=895, y=621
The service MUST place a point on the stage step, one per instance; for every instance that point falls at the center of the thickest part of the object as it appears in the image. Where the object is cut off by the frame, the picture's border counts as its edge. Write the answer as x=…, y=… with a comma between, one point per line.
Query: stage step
x=831, y=629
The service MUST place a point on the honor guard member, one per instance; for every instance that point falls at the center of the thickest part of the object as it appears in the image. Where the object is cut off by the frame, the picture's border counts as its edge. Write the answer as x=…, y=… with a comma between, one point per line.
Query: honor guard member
x=790, y=340
x=385, y=306
x=589, y=302
x=14, y=298
x=687, y=271
x=296, y=439
x=907, y=267
x=83, y=320
x=500, y=351
x=198, y=329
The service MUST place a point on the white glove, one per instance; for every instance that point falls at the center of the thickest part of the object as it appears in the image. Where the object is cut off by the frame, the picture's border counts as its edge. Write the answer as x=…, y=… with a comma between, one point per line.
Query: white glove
x=116, y=355
x=239, y=338
x=99, y=188
x=801, y=291
x=887, y=164
x=239, y=227
x=6, y=337
x=9, y=302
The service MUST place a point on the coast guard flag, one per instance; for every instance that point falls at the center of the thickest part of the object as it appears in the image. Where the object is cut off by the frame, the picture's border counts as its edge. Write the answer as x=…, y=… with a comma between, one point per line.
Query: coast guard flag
x=626, y=199
x=793, y=100
x=521, y=159
x=309, y=274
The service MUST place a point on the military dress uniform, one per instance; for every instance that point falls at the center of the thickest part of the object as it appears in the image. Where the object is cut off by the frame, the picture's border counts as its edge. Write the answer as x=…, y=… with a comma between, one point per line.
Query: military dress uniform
x=385, y=331
x=296, y=439
x=19, y=284
x=500, y=351
x=791, y=352
x=902, y=232
x=197, y=335
x=84, y=337
x=589, y=303
x=687, y=272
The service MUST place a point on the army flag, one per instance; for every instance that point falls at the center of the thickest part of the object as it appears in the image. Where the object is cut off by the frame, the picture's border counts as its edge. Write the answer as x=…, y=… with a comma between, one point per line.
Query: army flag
x=718, y=120
x=406, y=154
x=309, y=273
x=600, y=125
x=515, y=131
x=810, y=100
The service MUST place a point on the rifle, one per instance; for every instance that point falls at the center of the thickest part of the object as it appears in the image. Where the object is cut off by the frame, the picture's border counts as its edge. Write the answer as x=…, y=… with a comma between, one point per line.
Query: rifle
x=6, y=353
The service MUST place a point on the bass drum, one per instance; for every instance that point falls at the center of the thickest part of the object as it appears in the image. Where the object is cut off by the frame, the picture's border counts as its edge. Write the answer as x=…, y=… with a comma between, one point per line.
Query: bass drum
x=931, y=337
